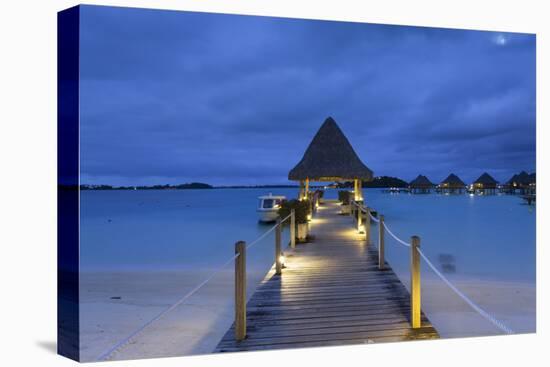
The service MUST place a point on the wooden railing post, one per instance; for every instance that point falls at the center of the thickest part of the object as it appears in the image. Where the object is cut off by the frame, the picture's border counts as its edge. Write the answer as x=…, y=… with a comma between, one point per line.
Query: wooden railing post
x=367, y=225
x=278, y=265
x=415, y=282
x=381, y=259
x=240, y=291
x=292, y=228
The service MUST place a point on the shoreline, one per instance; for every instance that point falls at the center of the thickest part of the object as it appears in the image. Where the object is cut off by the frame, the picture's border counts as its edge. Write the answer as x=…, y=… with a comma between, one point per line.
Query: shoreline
x=115, y=304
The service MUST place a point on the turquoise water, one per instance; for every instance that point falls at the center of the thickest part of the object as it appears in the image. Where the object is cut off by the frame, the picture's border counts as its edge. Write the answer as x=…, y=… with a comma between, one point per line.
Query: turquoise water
x=479, y=238
x=489, y=237
x=171, y=229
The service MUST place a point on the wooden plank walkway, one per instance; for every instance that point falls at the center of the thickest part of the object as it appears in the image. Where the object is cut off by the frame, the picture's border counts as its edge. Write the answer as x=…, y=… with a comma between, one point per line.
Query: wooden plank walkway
x=330, y=293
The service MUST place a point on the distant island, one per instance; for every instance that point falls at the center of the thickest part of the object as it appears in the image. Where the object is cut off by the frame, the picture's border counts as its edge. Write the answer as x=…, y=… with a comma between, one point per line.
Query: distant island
x=377, y=182
x=192, y=185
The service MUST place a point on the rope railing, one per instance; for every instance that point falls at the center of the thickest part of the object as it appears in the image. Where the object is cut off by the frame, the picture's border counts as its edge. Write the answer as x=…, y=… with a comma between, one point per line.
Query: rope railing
x=471, y=303
x=372, y=217
x=105, y=355
x=264, y=235
x=406, y=244
x=499, y=324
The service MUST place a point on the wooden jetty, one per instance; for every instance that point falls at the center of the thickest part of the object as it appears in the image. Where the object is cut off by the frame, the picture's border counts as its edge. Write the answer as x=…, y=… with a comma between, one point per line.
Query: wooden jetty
x=332, y=291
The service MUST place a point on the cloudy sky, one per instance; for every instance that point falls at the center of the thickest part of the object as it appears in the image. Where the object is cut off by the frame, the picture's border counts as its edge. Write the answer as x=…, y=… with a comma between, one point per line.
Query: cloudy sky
x=173, y=97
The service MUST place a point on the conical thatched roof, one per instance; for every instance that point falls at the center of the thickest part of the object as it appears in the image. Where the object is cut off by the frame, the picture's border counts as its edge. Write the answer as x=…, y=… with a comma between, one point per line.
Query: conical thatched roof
x=330, y=157
x=421, y=181
x=521, y=179
x=453, y=180
x=512, y=179
x=486, y=179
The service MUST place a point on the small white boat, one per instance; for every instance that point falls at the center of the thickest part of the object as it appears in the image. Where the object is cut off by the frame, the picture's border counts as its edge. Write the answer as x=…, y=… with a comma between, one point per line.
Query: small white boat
x=268, y=207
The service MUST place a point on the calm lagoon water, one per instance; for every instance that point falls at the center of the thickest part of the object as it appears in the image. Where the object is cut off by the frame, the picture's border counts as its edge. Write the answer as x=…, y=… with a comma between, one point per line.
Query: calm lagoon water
x=489, y=237
x=171, y=229
x=485, y=244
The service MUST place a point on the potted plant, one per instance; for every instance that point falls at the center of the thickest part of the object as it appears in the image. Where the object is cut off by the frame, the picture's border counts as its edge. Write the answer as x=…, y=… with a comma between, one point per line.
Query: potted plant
x=301, y=211
x=345, y=198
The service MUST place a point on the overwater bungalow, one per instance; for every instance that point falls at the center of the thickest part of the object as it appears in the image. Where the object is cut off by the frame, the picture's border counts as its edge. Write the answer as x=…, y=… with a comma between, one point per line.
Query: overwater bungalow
x=330, y=157
x=518, y=183
x=485, y=184
x=533, y=183
x=421, y=185
x=452, y=185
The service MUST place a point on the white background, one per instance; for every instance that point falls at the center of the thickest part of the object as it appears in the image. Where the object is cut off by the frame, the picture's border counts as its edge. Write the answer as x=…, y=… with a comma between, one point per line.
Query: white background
x=28, y=180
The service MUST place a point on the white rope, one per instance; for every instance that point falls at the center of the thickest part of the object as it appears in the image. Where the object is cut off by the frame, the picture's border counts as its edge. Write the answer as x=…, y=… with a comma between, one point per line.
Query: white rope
x=266, y=233
x=471, y=303
x=126, y=340
x=395, y=237
x=373, y=218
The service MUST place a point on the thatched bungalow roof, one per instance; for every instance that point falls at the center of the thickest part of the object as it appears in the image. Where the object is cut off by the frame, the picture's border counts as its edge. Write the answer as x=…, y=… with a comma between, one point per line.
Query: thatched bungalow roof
x=421, y=181
x=512, y=180
x=486, y=180
x=520, y=179
x=453, y=180
x=330, y=157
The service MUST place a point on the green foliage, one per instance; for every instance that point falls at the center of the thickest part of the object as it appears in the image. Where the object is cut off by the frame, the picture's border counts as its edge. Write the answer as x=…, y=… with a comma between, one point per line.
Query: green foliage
x=344, y=196
x=301, y=209
x=377, y=182
x=386, y=181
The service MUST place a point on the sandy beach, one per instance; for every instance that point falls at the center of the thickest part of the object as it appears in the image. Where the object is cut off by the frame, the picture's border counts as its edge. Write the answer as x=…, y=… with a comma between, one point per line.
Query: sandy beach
x=115, y=304
x=512, y=303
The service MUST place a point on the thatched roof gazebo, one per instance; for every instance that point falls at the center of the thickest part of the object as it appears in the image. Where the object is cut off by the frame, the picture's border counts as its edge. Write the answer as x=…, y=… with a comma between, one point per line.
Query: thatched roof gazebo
x=421, y=184
x=330, y=157
x=452, y=184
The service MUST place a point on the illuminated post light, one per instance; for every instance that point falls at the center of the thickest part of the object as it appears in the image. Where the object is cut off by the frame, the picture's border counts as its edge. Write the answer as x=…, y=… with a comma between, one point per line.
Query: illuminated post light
x=282, y=260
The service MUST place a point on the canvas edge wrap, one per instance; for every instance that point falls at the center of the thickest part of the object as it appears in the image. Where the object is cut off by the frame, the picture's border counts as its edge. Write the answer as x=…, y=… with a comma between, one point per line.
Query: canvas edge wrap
x=68, y=43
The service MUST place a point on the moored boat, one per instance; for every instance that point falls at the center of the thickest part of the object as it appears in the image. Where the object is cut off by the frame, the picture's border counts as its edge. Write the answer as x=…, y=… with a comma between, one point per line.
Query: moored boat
x=268, y=207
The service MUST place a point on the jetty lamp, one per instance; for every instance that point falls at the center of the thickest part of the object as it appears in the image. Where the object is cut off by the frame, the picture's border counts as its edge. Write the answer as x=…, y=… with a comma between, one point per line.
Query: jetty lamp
x=362, y=229
x=282, y=260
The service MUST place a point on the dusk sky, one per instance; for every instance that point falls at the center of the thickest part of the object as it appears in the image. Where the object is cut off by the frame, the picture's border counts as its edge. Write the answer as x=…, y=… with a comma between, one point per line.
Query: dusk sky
x=174, y=97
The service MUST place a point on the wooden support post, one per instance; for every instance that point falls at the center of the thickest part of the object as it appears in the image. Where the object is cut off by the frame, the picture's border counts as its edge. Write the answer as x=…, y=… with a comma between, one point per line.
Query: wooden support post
x=415, y=282
x=301, y=197
x=240, y=291
x=307, y=188
x=292, y=228
x=367, y=225
x=278, y=265
x=381, y=231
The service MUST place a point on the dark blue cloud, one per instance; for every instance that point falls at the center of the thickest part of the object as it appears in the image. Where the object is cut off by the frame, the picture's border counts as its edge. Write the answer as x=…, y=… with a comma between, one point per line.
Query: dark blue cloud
x=172, y=97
